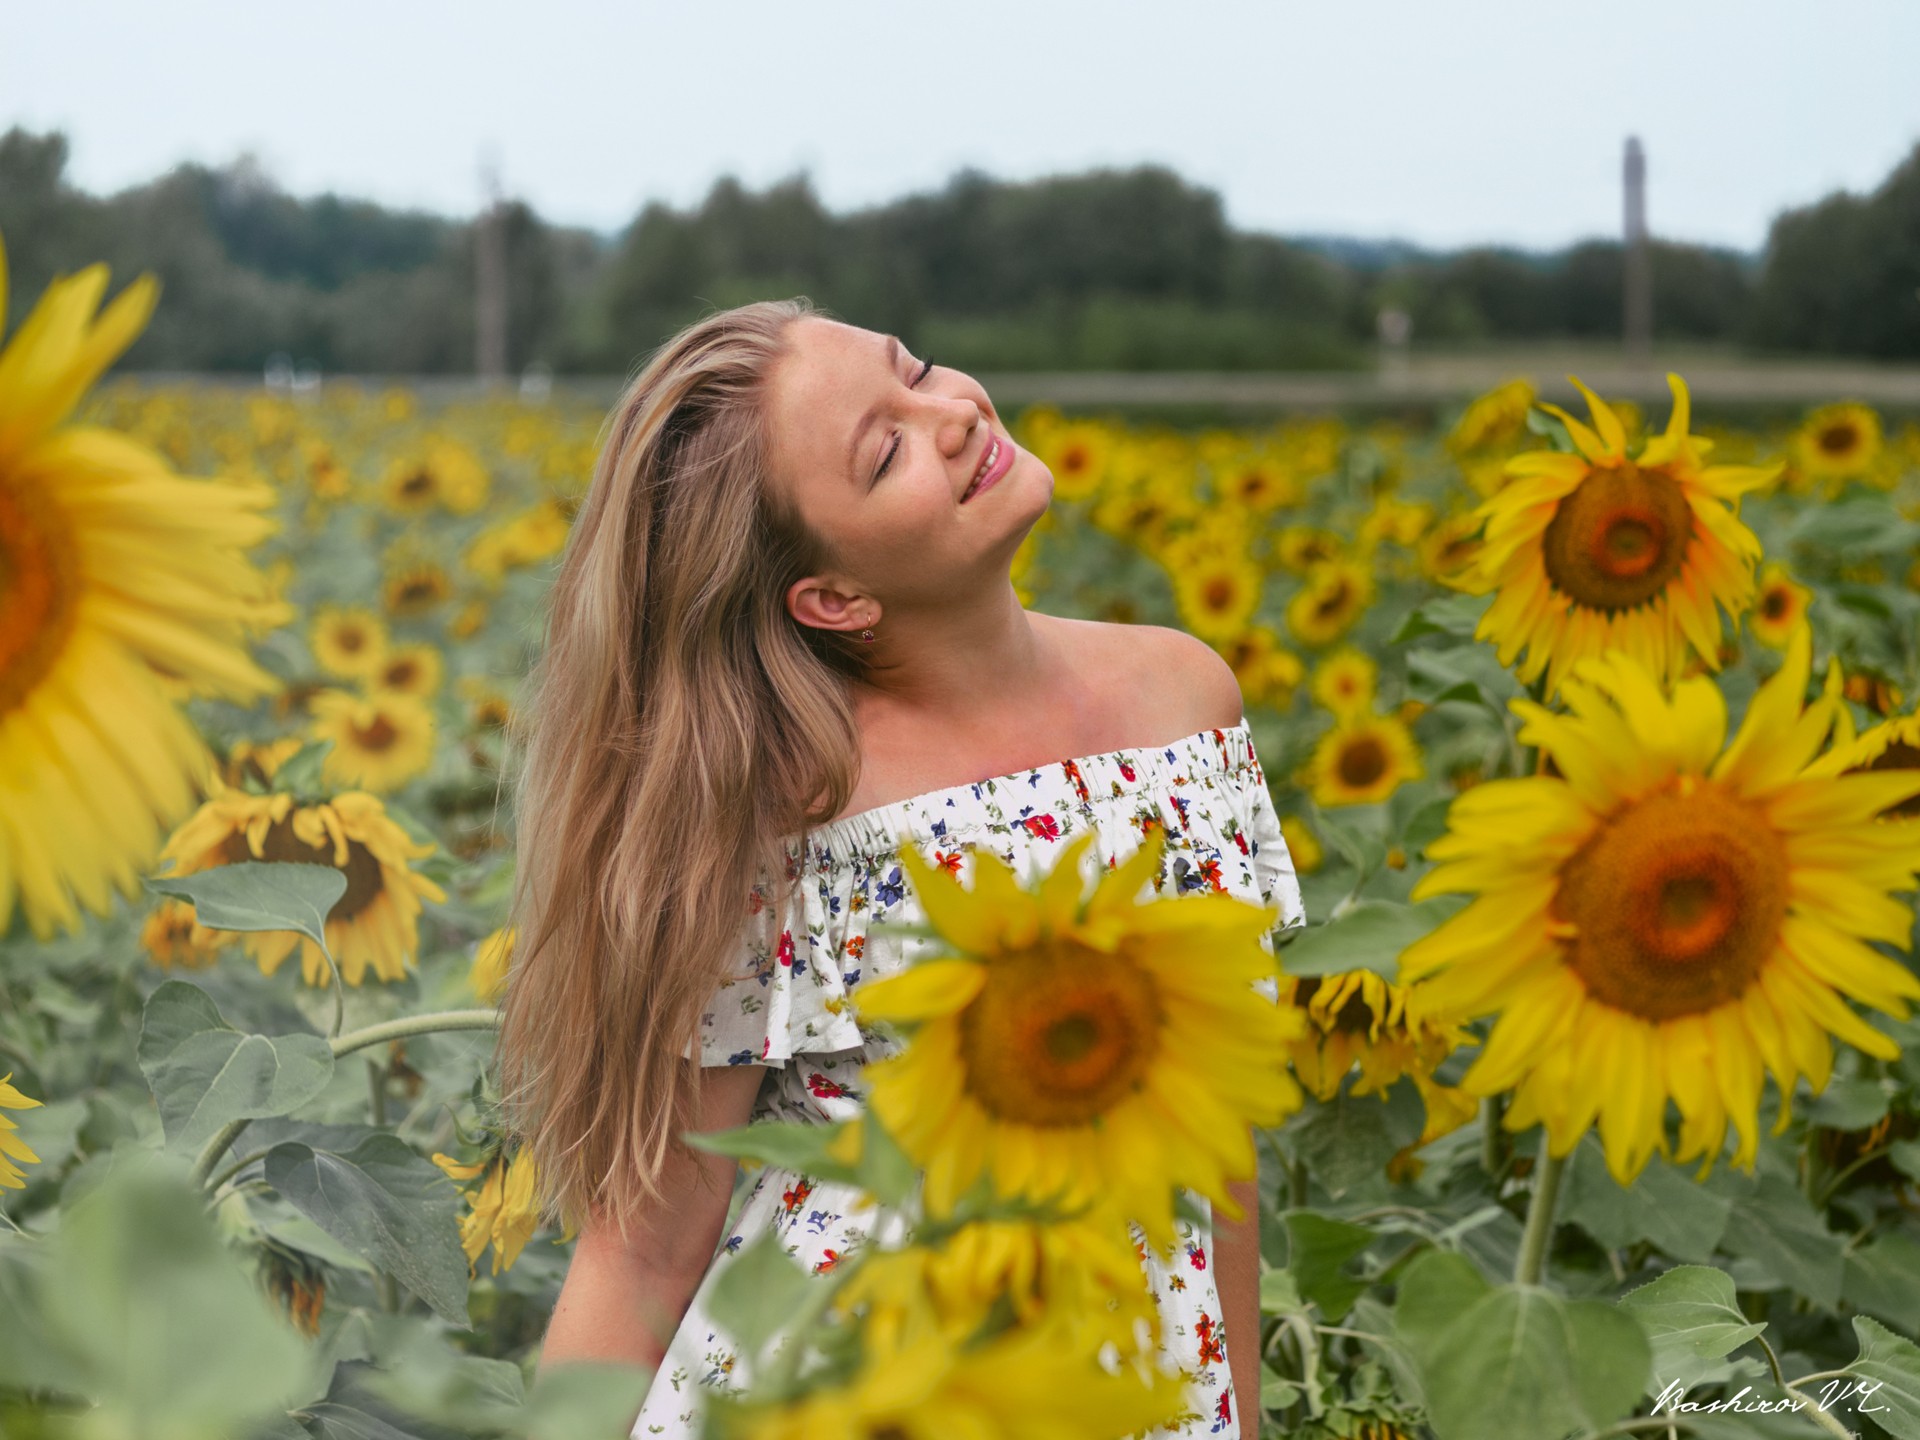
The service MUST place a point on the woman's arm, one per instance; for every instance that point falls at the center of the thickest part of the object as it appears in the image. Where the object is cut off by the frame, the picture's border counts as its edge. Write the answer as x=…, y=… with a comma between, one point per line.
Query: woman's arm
x=623, y=1299
x=1236, y=1264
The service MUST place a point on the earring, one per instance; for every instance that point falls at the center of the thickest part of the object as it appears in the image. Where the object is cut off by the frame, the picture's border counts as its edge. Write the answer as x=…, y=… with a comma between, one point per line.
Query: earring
x=867, y=635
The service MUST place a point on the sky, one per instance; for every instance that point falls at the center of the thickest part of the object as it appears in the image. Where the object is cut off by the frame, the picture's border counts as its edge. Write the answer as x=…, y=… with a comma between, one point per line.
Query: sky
x=1443, y=124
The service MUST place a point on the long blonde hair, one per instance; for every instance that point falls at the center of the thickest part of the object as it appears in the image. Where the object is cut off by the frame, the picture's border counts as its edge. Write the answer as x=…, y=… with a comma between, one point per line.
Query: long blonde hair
x=679, y=726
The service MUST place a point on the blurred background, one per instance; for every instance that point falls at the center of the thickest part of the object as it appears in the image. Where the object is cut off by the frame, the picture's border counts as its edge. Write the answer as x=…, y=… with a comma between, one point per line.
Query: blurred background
x=1412, y=198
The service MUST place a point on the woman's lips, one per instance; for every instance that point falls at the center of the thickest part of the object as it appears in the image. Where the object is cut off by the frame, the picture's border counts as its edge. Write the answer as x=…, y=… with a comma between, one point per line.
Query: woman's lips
x=1000, y=467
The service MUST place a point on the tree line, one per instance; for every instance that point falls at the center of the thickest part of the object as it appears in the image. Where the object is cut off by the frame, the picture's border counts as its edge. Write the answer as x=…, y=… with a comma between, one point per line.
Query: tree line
x=1106, y=270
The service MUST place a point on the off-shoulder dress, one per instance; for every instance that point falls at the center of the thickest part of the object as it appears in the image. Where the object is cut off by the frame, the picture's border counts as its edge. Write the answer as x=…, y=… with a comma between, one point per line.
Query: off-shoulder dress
x=791, y=1011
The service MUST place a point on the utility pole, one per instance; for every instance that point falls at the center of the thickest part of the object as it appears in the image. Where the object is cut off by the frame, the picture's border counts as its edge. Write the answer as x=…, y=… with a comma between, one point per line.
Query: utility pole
x=490, y=278
x=1638, y=262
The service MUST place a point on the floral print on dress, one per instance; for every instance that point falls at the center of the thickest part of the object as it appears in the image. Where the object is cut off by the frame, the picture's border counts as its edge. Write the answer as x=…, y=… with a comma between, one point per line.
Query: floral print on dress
x=790, y=1006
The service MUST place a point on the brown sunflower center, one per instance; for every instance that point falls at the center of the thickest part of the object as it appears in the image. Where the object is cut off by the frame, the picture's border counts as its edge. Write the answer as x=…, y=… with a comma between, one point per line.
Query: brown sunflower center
x=1839, y=438
x=1899, y=756
x=402, y=674
x=417, y=484
x=39, y=584
x=1333, y=600
x=1363, y=760
x=1676, y=902
x=365, y=881
x=1354, y=1017
x=1061, y=1037
x=1618, y=539
x=349, y=639
x=380, y=735
x=1776, y=603
x=1218, y=593
x=1075, y=458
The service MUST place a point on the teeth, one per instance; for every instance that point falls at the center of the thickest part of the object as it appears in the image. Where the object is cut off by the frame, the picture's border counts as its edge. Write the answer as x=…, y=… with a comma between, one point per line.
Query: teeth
x=986, y=464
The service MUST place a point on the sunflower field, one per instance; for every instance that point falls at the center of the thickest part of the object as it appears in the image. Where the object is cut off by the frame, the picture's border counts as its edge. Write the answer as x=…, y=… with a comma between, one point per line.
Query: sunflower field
x=1587, y=1100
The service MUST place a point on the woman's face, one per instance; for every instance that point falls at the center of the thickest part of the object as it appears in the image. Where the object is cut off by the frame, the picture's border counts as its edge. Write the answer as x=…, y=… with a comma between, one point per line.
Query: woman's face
x=877, y=450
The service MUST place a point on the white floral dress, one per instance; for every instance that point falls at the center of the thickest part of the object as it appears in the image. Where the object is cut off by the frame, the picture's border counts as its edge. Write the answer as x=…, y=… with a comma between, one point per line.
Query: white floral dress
x=791, y=1013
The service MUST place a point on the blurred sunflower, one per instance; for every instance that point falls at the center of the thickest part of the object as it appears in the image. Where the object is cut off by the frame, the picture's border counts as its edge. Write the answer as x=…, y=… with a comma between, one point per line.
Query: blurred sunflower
x=381, y=740
x=1025, y=1383
x=491, y=959
x=374, y=924
x=468, y=621
x=1303, y=846
x=502, y=1210
x=1083, y=1051
x=1257, y=480
x=1300, y=548
x=1329, y=601
x=12, y=1148
x=1666, y=918
x=414, y=670
x=518, y=540
x=1266, y=669
x=1892, y=745
x=174, y=939
x=1447, y=551
x=1401, y=521
x=1216, y=594
x=415, y=587
x=1344, y=680
x=1835, y=444
x=347, y=640
x=258, y=761
x=445, y=474
x=1077, y=452
x=1362, y=760
x=1591, y=552
x=1494, y=419
x=1779, y=607
x=123, y=587
x=488, y=707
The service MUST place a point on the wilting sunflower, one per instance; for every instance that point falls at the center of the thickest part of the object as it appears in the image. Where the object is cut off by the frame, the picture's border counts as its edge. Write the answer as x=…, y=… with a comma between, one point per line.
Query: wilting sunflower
x=1266, y=669
x=1082, y=1273
x=1593, y=551
x=1082, y=1051
x=1216, y=593
x=414, y=670
x=381, y=740
x=1664, y=917
x=1362, y=760
x=374, y=924
x=1026, y=1383
x=1779, y=607
x=174, y=939
x=1331, y=598
x=12, y=1147
x=1077, y=452
x=1344, y=681
x=122, y=586
x=1837, y=443
x=502, y=1210
x=348, y=640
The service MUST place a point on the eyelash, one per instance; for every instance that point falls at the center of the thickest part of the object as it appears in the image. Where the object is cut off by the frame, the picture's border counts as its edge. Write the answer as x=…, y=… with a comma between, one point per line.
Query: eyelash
x=925, y=369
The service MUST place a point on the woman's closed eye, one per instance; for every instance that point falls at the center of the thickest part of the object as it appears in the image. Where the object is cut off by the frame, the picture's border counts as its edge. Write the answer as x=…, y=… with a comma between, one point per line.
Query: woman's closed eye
x=887, y=463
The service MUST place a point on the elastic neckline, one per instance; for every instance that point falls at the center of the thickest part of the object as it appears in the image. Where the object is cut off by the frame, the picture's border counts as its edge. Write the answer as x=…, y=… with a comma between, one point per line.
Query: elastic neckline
x=885, y=827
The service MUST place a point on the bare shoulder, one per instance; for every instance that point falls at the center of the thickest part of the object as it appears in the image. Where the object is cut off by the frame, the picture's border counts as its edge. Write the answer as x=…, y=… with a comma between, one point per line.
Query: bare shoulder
x=1191, y=686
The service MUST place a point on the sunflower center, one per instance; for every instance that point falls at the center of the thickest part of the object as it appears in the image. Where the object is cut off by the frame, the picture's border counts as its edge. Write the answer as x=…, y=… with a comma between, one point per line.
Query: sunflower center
x=1363, y=760
x=1899, y=756
x=1618, y=539
x=380, y=735
x=281, y=845
x=1074, y=459
x=1676, y=902
x=1334, y=601
x=402, y=673
x=1838, y=439
x=39, y=583
x=418, y=483
x=1219, y=593
x=1775, y=604
x=1061, y=1037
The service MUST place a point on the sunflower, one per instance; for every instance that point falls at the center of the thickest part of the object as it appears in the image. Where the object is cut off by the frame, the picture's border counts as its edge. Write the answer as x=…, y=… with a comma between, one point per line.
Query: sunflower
x=123, y=586
x=1401, y=521
x=445, y=473
x=347, y=640
x=1494, y=419
x=1258, y=480
x=1779, y=608
x=1303, y=846
x=414, y=670
x=1665, y=918
x=174, y=938
x=414, y=588
x=503, y=1209
x=1835, y=444
x=1026, y=1383
x=491, y=959
x=1447, y=551
x=1362, y=760
x=1892, y=745
x=1300, y=548
x=12, y=1147
x=1077, y=452
x=258, y=762
x=375, y=923
x=1329, y=601
x=1592, y=551
x=518, y=540
x=488, y=707
x=1216, y=594
x=1344, y=681
x=381, y=740
x=468, y=620
x=1083, y=1050
x=1266, y=669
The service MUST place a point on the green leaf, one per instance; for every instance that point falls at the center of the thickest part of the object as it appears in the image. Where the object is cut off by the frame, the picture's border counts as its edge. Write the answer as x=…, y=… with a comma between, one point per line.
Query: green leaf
x=756, y=1293
x=1278, y=1294
x=1448, y=615
x=1435, y=1291
x=583, y=1397
x=788, y=1146
x=384, y=1201
x=1689, y=1314
x=1318, y=1248
x=1905, y=1155
x=205, y=1073
x=886, y=1173
x=1347, y=1141
x=1775, y=1227
x=1426, y=825
x=1369, y=935
x=1883, y=1278
x=1850, y=1104
x=257, y=895
x=1893, y=1364
x=1663, y=1206
x=299, y=773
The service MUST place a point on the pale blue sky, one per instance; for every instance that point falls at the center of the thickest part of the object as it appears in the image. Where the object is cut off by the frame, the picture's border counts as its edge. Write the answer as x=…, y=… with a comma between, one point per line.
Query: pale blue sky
x=1441, y=123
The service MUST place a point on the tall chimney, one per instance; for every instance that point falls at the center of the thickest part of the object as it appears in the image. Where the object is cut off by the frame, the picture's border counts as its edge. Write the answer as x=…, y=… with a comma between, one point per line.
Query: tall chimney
x=1638, y=262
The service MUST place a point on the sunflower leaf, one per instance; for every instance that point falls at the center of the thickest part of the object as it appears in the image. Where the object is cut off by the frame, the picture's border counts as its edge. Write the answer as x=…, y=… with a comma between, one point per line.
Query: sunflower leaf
x=1663, y=1206
x=803, y=1149
x=1690, y=1314
x=756, y=1293
x=204, y=1073
x=1369, y=936
x=1455, y=615
x=258, y=895
x=1891, y=1366
x=1318, y=1249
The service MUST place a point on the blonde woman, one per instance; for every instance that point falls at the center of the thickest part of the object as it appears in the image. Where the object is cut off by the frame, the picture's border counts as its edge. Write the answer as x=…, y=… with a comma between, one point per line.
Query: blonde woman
x=783, y=641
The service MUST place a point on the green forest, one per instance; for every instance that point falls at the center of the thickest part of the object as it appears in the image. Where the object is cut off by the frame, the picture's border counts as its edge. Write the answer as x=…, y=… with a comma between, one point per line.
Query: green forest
x=1105, y=270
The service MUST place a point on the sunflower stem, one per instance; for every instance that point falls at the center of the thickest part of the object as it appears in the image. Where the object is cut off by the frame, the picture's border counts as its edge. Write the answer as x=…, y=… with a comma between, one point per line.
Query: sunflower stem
x=1491, y=1159
x=406, y=1025
x=1534, y=1240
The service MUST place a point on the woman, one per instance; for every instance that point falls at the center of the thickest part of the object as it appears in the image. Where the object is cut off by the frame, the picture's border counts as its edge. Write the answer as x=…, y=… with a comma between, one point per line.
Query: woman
x=783, y=640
